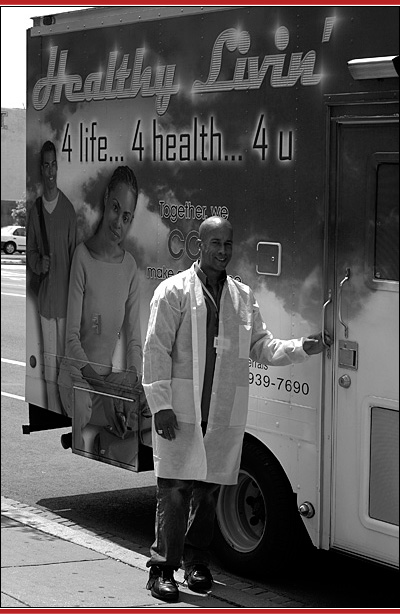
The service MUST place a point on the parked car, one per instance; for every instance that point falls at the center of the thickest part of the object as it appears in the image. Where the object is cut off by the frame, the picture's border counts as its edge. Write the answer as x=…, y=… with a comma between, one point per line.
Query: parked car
x=13, y=239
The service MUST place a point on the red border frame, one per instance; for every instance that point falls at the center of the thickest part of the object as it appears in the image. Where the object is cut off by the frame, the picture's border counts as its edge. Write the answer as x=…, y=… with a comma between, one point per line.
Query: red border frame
x=205, y=610
x=76, y=3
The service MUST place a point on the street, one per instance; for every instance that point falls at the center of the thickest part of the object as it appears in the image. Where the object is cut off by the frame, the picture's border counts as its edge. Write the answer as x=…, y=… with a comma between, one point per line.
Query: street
x=37, y=471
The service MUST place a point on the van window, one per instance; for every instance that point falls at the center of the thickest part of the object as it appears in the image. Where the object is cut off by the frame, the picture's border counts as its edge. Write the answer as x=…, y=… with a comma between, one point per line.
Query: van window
x=386, y=258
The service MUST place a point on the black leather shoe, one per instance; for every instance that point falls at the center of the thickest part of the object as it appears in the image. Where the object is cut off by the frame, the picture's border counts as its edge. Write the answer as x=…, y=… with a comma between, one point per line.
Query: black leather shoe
x=199, y=579
x=162, y=583
x=66, y=441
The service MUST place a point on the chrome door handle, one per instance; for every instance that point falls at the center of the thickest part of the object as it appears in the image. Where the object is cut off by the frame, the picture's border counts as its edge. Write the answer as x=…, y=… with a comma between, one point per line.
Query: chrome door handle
x=345, y=278
x=324, y=306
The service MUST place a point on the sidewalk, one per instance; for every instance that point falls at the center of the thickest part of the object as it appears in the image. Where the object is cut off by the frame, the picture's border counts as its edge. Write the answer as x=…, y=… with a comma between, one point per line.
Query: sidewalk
x=47, y=564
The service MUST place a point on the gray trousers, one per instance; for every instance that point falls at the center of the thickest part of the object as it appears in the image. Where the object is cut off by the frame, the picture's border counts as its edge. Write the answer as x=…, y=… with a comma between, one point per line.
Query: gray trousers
x=185, y=518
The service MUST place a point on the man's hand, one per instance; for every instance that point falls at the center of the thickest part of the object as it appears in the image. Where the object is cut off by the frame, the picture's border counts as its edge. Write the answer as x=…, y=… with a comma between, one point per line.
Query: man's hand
x=314, y=343
x=45, y=264
x=165, y=423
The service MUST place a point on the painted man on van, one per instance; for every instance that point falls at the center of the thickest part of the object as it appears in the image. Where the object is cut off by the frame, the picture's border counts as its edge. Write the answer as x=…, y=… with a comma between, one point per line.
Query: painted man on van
x=51, y=241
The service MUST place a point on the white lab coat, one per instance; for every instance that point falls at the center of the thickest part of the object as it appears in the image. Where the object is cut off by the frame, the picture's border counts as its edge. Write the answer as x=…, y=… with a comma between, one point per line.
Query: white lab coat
x=174, y=362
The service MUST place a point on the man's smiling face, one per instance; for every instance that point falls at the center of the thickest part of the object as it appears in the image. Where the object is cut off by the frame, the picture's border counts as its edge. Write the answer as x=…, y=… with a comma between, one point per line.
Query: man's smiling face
x=216, y=249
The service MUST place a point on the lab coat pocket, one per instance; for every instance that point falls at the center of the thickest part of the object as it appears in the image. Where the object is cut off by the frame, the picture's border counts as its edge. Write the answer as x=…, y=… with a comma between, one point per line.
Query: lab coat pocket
x=183, y=399
x=244, y=340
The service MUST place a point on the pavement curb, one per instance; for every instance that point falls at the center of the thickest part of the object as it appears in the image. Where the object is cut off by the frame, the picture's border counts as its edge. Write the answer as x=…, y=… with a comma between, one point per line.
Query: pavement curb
x=50, y=523
x=135, y=555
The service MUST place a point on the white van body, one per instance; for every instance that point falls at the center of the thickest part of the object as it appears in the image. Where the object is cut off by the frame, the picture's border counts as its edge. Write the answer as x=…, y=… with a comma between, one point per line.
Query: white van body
x=284, y=120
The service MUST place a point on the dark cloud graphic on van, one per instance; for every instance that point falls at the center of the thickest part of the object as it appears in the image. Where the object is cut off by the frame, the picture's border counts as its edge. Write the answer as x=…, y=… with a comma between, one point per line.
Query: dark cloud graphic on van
x=245, y=150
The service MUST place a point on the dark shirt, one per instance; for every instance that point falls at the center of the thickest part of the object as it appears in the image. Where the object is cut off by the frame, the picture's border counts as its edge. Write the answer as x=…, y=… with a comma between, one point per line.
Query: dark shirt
x=212, y=332
x=61, y=236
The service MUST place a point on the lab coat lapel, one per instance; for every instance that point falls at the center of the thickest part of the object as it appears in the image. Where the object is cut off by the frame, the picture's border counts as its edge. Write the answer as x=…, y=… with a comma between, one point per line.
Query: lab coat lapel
x=199, y=324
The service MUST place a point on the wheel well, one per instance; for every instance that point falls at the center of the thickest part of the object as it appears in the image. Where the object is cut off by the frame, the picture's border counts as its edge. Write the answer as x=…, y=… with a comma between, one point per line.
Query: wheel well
x=303, y=538
x=257, y=521
x=248, y=438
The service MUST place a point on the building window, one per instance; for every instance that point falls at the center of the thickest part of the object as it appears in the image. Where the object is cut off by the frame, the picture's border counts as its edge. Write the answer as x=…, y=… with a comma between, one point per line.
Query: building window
x=4, y=114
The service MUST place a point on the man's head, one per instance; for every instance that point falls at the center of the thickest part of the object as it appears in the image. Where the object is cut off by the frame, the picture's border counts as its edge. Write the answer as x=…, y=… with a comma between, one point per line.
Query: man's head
x=215, y=242
x=48, y=167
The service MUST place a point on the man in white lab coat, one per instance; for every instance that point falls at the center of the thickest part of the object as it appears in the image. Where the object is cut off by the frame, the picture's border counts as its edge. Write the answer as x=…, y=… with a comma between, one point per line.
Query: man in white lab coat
x=203, y=327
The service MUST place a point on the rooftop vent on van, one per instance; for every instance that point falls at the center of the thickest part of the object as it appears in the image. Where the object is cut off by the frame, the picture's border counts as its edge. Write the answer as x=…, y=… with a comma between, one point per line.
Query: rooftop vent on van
x=47, y=20
x=374, y=68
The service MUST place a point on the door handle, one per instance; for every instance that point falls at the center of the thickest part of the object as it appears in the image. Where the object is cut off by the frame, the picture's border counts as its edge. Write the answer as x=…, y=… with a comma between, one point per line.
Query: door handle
x=324, y=306
x=345, y=278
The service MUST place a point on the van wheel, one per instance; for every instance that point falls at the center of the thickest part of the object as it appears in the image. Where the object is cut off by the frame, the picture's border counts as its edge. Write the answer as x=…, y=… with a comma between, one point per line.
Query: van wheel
x=9, y=248
x=256, y=517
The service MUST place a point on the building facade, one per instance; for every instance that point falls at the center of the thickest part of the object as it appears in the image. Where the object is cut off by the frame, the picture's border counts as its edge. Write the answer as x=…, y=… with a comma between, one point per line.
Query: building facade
x=13, y=157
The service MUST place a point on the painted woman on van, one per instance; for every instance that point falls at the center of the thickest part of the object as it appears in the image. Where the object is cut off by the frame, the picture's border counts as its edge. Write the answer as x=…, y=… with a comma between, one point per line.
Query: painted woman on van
x=103, y=301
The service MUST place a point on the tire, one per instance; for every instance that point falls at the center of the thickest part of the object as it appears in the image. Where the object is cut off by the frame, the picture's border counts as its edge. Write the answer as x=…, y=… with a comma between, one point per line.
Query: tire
x=9, y=248
x=256, y=518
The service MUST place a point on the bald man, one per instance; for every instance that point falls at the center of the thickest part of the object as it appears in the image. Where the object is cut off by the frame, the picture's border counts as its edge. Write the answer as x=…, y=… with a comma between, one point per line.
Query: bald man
x=203, y=328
